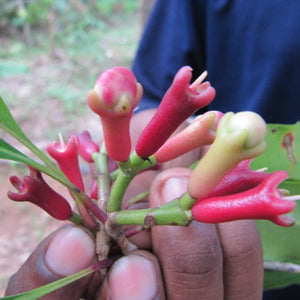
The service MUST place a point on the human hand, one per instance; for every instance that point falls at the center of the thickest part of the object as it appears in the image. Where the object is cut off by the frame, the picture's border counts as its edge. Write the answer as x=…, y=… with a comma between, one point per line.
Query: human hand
x=197, y=262
x=201, y=261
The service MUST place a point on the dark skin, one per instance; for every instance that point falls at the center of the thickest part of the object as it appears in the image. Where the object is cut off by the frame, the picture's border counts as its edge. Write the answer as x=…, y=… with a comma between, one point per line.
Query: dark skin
x=201, y=261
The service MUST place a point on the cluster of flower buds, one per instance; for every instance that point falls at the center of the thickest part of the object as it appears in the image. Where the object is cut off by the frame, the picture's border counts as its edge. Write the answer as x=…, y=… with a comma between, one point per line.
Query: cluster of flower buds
x=226, y=188
x=180, y=102
x=222, y=185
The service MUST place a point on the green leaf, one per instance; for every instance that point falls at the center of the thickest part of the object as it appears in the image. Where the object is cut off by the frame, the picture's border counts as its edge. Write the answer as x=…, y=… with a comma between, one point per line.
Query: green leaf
x=283, y=150
x=281, y=244
x=293, y=185
x=276, y=280
x=8, y=152
x=46, y=289
x=8, y=124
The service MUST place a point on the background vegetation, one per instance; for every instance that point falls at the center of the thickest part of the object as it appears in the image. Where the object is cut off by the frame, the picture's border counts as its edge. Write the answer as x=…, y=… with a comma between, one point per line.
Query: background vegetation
x=52, y=51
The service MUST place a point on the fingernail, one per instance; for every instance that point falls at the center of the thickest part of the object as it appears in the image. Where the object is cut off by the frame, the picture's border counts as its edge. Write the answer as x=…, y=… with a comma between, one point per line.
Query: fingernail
x=173, y=188
x=70, y=251
x=133, y=277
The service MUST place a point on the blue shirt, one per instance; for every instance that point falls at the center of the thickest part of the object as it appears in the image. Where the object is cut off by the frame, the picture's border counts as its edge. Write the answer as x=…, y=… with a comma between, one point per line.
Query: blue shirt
x=251, y=50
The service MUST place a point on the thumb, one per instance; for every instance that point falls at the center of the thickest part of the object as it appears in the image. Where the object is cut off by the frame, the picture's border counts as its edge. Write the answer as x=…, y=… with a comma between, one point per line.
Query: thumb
x=135, y=276
x=66, y=251
x=168, y=185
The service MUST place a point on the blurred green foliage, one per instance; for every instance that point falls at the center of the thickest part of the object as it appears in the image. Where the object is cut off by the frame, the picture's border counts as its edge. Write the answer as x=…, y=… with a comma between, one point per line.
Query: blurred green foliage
x=17, y=13
x=78, y=14
x=53, y=50
x=73, y=26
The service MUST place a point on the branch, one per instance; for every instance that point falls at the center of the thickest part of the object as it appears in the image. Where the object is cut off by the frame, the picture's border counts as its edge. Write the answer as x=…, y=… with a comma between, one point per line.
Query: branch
x=282, y=267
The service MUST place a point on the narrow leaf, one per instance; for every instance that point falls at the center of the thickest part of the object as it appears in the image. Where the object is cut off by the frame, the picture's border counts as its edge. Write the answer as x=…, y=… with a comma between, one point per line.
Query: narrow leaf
x=46, y=289
x=8, y=152
x=8, y=124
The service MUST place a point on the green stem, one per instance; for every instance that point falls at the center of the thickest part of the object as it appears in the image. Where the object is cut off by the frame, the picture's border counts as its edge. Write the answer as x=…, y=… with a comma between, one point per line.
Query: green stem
x=114, y=174
x=186, y=201
x=76, y=219
x=103, y=179
x=127, y=171
x=151, y=162
x=81, y=206
x=164, y=215
x=118, y=190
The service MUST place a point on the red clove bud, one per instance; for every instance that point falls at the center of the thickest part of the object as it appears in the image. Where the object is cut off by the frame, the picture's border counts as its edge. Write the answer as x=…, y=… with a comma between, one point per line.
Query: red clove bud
x=34, y=189
x=86, y=146
x=239, y=179
x=115, y=95
x=67, y=159
x=202, y=131
x=264, y=201
x=180, y=101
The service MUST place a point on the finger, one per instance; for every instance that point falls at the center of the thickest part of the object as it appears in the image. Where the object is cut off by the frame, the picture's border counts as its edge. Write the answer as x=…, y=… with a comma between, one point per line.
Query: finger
x=190, y=257
x=243, y=260
x=66, y=251
x=134, y=277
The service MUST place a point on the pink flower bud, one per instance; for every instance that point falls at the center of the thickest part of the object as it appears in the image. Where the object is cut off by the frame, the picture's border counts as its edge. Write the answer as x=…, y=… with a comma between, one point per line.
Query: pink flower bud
x=239, y=179
x=180, y=101
x=86, y=146
x=239, y=136
x=94, y=190
x=261, y=202
x=115, y=95
x=200, y=132
x=67, y=159
x=34, y=189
